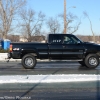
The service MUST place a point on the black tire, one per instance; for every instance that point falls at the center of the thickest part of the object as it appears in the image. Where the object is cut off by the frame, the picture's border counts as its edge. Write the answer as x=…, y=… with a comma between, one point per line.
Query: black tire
x=92, y=61
x=29, y=61
x=82, y=63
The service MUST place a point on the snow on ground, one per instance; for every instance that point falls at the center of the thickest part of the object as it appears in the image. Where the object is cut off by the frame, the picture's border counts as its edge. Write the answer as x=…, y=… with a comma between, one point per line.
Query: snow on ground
x=48, y=78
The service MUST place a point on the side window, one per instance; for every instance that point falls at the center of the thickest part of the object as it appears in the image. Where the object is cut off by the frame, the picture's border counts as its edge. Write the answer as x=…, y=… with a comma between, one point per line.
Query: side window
x=74, y=40
x=56, y=39
x=67, y=40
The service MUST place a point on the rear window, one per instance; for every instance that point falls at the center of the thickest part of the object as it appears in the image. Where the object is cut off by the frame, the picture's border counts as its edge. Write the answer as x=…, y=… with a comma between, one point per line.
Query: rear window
x=55, y=39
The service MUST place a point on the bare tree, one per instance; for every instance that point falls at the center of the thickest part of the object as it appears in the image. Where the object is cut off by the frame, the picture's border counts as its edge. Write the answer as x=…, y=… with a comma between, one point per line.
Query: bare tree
x=13, y=38
x=72, y=23
x=53, y=25
x=86, y=15
x=31, y=25
x=8, y=10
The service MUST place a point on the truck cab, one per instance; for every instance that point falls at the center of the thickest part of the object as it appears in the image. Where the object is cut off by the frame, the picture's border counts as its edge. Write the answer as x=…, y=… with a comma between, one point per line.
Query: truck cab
x=66, y=46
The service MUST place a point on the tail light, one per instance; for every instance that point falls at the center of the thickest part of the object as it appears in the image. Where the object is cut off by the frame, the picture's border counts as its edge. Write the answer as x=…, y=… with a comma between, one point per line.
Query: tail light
x=10, y=48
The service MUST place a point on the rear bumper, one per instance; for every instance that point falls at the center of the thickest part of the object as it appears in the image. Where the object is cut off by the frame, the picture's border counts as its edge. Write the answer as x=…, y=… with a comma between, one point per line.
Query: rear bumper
x=14, y=55
x=8, y=55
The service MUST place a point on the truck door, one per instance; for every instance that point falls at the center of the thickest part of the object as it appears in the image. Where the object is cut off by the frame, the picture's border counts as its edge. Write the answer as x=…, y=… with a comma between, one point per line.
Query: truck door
x=72, y=49
x=55, y=46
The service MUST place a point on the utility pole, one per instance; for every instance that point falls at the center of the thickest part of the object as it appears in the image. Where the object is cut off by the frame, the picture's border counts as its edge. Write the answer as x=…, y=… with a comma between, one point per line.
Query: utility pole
x=65, y=21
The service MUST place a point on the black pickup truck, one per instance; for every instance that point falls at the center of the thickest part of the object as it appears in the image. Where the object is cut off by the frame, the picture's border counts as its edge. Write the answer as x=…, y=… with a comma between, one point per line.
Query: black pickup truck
x=58, y=47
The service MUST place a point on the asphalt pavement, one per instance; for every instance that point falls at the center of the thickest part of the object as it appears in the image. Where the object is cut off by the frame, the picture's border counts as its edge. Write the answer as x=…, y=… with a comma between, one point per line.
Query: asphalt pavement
x=86, y=90
x=51, y=91
x=44, y=68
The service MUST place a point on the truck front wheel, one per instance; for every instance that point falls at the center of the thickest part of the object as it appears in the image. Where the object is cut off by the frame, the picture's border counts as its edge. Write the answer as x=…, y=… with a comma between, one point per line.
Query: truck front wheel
x=92, y=61
x=29, y=61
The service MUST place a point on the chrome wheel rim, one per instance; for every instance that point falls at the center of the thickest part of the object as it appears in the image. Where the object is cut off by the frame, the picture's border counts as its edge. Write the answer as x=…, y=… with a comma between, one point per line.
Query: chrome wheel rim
x=93, y=61
x=29, y=62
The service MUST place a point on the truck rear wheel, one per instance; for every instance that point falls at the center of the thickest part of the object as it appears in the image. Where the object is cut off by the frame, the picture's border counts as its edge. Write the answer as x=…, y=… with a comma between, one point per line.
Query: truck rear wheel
x=92, y=61
x=29, y=61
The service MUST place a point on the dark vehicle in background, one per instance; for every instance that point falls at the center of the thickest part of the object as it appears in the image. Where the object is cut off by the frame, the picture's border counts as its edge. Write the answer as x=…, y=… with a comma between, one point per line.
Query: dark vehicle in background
x=58, y=47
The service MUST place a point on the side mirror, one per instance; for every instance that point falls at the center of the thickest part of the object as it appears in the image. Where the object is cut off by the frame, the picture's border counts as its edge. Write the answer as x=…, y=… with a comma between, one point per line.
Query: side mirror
x=78, y=42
